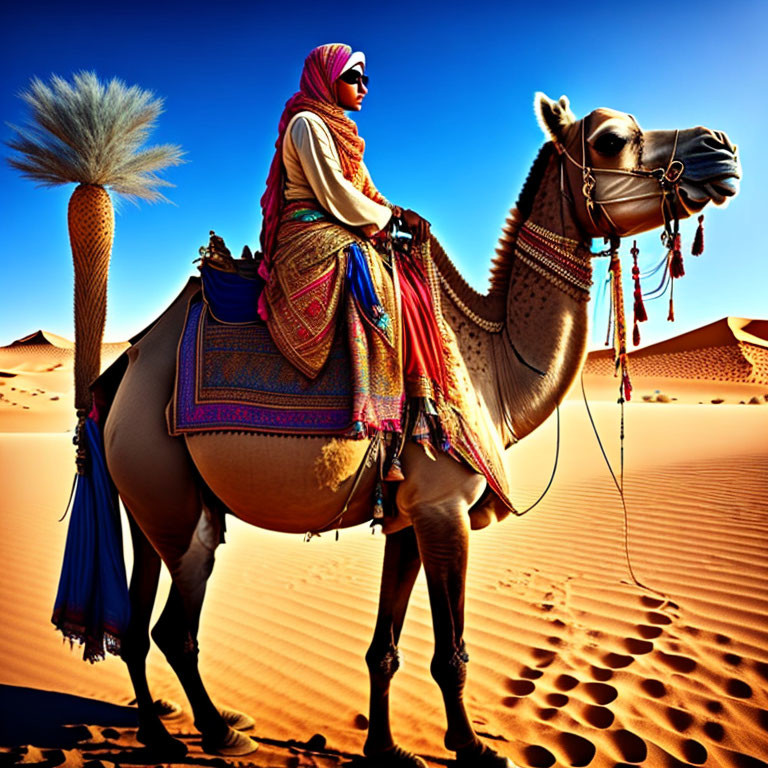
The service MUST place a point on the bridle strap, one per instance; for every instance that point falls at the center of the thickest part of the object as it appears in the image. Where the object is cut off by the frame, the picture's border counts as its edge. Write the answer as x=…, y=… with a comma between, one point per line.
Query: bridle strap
x=668, y=179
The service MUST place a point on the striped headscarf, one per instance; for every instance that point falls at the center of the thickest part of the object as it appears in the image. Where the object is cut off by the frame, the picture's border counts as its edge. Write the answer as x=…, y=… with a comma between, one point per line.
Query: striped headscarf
x=316, y=93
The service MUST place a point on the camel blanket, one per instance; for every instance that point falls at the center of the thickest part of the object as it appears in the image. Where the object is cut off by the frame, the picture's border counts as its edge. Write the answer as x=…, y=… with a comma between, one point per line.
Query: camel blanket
x=233, y=377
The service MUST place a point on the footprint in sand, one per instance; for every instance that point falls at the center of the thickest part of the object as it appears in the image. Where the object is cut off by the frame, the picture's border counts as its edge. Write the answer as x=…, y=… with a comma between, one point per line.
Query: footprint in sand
x=521, y=687
x=637, y=647
x=694, y=751
x=544, y=657
x=654, y=617
x=738, y=688
x=762, y=718
x=546, y=713
x=580, y=751
x=722, y=639
x=654, y=688
x=762, y=669
x=631, y=746
x=647, y=632
x=715, y=707
x=557, y=699
x=680, y=720
x=565, y=682
x=657, y=602
x=539, y=757
x=600, y=673
x=530, y=674
x=732, y=658
x=598, y=717
x=683, y=664
x=617, y=660
x=715, y=731
x=601, y=693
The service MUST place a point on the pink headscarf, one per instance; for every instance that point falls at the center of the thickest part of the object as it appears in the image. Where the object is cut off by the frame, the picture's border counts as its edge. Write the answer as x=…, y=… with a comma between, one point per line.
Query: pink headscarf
x=316, y=93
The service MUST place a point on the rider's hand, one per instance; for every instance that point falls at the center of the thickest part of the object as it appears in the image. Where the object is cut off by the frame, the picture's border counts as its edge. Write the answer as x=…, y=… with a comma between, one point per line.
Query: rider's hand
x=418, y=227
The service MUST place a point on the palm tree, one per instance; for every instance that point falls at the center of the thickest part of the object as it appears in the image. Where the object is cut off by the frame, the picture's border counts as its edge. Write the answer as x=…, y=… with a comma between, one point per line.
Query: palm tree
x=91, y=134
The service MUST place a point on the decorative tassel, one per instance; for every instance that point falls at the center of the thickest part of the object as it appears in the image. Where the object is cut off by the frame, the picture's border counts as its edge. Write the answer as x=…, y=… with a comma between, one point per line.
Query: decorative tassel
x=676, y=268
x=698, y=241
x=378, y=505
x=395, y=472
x=640, y=315
x=620, y=329
x=671, y=313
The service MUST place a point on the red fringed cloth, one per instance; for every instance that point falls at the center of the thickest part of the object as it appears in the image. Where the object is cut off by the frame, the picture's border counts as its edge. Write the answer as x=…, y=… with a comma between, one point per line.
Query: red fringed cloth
x=442, y=413
x=423, y=362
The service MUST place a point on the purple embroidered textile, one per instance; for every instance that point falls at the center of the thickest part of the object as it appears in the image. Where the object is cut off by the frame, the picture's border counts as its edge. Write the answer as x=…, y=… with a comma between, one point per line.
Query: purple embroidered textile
x=235, y=378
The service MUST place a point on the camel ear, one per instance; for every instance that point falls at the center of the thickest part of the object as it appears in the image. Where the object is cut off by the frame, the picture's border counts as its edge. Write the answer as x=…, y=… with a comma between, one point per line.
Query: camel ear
x=553, y=116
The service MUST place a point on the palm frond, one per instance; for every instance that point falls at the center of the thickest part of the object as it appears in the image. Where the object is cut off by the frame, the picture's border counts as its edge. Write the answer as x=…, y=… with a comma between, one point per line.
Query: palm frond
x=89, y=132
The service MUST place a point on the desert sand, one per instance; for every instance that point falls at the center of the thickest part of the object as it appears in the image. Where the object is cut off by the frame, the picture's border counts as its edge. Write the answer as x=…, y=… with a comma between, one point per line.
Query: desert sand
x=572, y=662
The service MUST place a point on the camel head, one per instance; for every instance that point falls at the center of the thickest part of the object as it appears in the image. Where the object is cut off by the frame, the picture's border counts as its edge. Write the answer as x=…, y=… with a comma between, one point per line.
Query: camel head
x=623, y=180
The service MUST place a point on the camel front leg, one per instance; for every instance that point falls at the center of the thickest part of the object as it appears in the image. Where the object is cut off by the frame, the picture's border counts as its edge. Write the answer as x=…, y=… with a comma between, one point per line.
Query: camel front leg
x=399, y=572
x=438, y=502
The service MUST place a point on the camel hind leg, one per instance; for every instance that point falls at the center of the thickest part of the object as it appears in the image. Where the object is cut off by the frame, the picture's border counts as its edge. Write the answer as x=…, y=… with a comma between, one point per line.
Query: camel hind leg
x=159, y=486
x=135, y=644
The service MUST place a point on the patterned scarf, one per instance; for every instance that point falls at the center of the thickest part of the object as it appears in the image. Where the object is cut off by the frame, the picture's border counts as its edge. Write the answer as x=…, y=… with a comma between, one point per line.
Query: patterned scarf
x=316, y=94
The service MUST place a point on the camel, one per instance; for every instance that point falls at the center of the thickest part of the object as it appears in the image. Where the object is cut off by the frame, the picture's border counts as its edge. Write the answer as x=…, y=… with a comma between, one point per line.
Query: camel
x=523, y=344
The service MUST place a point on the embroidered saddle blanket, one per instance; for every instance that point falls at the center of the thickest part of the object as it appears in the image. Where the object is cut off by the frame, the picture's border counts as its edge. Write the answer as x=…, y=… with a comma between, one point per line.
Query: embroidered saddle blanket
x=233, y=377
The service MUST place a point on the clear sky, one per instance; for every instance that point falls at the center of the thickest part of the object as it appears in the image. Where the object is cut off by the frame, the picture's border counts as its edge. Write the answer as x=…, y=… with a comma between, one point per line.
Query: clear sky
x=448, y=123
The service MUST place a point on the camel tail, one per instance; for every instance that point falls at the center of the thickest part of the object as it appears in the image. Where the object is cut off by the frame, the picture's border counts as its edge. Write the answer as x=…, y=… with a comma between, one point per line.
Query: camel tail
x=92, y=605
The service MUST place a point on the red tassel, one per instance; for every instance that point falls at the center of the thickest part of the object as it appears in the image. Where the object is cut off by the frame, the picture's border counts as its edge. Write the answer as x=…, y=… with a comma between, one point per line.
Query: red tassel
x=640, y=314
x=676, y=268
x=626, y=385
x=698, y=241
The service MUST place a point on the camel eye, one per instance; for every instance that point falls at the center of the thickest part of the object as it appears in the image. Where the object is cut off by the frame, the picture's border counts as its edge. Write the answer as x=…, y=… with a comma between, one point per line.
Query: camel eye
x=609, y=144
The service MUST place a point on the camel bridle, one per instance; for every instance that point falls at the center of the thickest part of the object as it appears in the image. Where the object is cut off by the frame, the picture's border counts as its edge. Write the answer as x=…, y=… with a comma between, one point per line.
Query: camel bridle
x=667, y=177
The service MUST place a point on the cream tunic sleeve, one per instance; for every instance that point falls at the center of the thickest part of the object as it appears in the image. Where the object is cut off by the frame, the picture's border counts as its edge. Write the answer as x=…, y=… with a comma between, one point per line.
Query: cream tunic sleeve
x=313, y=169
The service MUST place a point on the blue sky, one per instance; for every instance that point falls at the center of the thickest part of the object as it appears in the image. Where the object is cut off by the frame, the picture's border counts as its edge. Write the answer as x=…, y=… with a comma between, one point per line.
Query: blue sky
x=448, y=123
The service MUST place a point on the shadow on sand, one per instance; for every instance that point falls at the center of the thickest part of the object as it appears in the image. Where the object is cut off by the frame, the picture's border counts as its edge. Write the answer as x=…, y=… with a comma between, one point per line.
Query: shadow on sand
x=50, y=719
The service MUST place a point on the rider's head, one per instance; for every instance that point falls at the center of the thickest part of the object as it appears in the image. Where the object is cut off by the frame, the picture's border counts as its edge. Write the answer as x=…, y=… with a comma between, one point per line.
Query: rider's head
x=351, y=85
x=334, y=73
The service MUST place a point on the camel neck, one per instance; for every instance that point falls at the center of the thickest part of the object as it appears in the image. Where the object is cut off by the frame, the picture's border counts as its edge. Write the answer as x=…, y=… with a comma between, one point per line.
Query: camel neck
x=561, y=260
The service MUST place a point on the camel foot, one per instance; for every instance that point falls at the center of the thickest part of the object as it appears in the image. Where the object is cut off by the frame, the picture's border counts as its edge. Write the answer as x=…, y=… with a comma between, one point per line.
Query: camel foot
x=167, y=709
x=160, y=743
x=237, y=720
x=397, y=757
x=479, y=755
x=232, y=744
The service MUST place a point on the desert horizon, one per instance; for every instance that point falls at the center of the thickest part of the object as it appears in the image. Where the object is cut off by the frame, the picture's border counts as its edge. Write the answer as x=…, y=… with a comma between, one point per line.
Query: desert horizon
x=572, y=663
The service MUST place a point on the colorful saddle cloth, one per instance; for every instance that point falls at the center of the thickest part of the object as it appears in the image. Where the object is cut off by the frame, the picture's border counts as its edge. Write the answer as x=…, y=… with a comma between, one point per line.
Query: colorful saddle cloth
x=236, y=377
x=233, y=377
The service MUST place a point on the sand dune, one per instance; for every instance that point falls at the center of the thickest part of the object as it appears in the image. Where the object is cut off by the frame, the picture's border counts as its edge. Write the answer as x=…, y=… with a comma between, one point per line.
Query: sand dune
x=37, y=382
x=727, y=359
x=572, y=662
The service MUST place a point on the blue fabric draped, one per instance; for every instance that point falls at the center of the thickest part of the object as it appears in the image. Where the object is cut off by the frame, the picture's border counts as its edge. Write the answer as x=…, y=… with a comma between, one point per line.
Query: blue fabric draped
x=92, y=604
x=232, y=297
x=360, y=284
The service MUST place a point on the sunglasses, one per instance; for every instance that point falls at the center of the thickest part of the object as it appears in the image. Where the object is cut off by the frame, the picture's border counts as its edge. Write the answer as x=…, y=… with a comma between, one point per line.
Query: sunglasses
x=353, y=77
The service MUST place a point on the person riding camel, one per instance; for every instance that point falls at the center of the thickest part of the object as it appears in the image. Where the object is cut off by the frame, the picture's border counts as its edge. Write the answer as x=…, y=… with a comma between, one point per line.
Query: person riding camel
x=323, y=220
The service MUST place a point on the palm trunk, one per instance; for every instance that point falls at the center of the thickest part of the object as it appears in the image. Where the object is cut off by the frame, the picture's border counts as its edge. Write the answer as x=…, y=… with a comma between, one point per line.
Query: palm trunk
x=91, y=230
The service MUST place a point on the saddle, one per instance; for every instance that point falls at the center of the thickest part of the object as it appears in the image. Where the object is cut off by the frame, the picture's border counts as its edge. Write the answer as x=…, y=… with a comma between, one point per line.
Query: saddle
x=232, y=376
